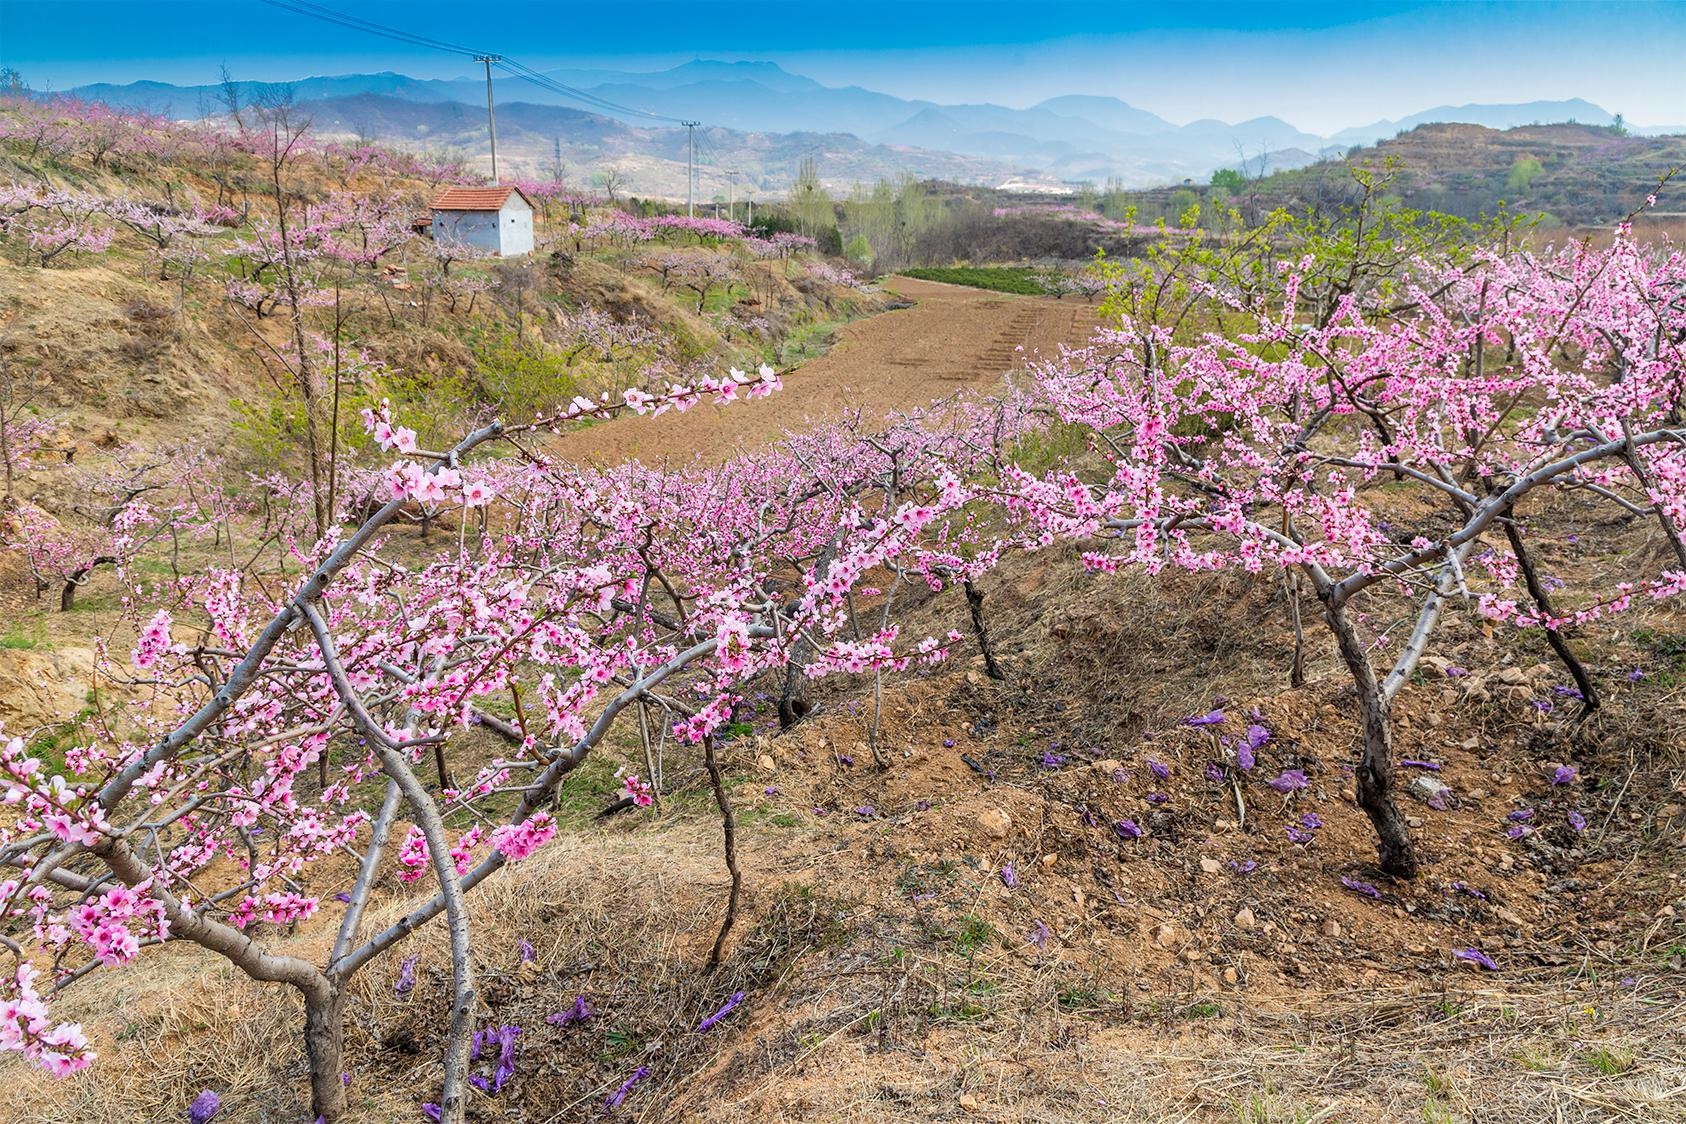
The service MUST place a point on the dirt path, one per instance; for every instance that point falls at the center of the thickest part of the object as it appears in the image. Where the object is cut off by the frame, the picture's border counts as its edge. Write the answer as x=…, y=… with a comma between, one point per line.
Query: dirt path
x=953, y=339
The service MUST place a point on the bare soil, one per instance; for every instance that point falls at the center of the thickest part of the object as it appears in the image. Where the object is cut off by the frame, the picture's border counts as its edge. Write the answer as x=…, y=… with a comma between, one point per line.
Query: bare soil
x=951, y=339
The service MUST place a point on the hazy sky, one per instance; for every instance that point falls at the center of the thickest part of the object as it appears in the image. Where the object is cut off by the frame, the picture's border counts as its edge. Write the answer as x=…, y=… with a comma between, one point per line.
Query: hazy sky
x=1321, y=66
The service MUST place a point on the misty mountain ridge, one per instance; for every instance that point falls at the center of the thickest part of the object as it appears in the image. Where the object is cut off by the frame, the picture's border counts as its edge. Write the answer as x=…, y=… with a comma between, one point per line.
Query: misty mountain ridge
x=1073, y=137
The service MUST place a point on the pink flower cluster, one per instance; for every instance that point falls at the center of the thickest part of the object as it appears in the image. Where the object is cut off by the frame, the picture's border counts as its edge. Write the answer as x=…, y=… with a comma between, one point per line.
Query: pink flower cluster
x=154, y=640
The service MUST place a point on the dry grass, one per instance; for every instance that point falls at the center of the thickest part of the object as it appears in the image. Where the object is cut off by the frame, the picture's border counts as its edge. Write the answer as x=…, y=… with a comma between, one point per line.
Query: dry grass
x=1518, y=1053
x=624, y=918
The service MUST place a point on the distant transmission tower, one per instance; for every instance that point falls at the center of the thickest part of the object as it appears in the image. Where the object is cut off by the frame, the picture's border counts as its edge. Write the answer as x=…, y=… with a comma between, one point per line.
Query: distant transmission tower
x=690, y=165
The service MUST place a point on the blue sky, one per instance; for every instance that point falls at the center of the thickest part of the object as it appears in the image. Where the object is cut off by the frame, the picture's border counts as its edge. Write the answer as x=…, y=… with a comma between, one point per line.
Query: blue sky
x=1320, y=66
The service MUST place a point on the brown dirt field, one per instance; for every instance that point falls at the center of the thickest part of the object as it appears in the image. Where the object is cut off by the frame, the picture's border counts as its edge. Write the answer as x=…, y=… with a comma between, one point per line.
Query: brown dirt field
x=952, y=339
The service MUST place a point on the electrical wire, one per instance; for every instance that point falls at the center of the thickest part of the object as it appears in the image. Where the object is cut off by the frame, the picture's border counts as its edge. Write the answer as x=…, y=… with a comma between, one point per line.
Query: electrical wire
x=509, y=66
x=544, y=81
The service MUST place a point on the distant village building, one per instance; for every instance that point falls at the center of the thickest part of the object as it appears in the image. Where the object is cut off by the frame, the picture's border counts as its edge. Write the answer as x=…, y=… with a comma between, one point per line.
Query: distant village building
x=498, y=220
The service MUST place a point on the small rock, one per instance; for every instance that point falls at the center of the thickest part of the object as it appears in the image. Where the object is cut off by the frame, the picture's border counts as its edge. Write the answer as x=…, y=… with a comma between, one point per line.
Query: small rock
x=1050, y=860
x=1331, y=928
x=1107, y=765
x=1429, y=789
x=1192, y=954
x=1167, y=935
x=1512, y=677
x=766, y=763
x=1244, y=918
x=995, y=823
x=968, y=1102
x=1230, y=977
x=1210, y=865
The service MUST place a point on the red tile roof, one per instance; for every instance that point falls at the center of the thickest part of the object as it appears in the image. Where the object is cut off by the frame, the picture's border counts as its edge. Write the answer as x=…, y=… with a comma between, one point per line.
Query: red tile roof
x=474, y=198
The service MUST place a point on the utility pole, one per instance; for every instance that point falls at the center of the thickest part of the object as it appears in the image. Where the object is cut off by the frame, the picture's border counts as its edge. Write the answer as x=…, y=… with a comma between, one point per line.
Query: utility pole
x=731, y=194
x=690, y=165
x=491, y=118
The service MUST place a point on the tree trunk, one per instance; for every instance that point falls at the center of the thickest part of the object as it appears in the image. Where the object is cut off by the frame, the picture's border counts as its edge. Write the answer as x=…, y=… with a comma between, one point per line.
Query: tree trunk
x=793, y=703
x=1374, y=772
x=324, y=1046
x=1554, y=636
x=728, y=828
x=974, y=602
x=67, y=596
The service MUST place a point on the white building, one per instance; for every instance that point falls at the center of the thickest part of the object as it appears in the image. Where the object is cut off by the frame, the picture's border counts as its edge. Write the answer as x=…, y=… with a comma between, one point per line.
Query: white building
x=498, y=220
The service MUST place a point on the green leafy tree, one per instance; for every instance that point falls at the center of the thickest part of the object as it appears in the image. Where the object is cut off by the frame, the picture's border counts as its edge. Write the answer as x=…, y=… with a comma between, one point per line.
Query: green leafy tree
x=858, y=249
x=1523, y=172
x=1231, y=180
x=810, y=202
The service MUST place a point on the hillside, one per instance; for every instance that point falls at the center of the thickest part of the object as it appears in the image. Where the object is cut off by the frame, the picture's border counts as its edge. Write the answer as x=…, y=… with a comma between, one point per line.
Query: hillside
x=154, y=320
x=667, y=678
x=651, y=161
x=1580, y=175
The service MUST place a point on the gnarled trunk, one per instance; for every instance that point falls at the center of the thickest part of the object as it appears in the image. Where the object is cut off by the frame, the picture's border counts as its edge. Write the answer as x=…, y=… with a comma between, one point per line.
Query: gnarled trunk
x=324, y=1046
x=1374, y=771
x=77, y=579
x=980, y=630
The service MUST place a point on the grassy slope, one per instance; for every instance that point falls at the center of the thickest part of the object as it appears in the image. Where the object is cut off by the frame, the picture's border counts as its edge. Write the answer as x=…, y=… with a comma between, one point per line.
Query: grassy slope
x=1020, y=280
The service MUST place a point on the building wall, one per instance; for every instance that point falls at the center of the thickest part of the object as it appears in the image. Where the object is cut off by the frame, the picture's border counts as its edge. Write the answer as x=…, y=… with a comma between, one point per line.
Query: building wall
x=517, y=226
x=508, y=233
x=478, y=229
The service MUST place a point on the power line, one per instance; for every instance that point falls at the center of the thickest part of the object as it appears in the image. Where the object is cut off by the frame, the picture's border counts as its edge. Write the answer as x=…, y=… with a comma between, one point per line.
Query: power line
x=544, y=81
x=358, y=23
x=509, y=66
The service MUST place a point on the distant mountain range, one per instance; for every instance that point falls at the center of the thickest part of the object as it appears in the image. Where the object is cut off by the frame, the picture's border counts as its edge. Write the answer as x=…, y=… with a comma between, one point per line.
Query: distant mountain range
x=759, y=114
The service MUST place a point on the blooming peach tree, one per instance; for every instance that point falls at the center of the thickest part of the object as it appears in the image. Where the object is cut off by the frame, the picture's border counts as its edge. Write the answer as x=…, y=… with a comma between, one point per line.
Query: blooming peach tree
x=274, y=729
x=1396, y=454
